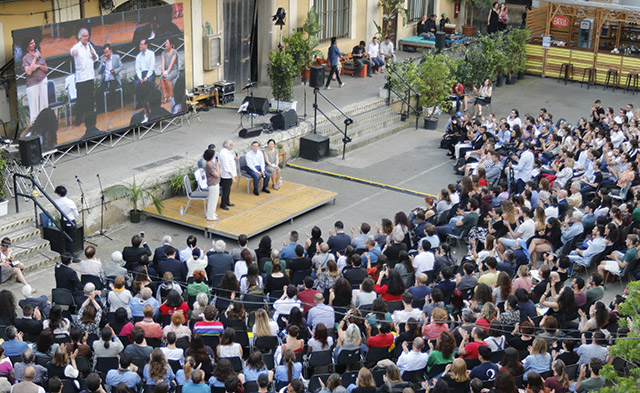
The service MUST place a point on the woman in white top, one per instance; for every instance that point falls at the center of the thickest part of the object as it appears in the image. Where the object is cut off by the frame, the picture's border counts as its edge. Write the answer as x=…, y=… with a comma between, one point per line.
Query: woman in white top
x=119, y=296
x=366, y=296
x=171, y=352
x=196, y=263
x=483, y=96
x=228, y=348
x=252, y=281
x=109, y=345
x=264, y=326
x=321, y=341
x=495, y=339
x=242, y=266
x=56, y=322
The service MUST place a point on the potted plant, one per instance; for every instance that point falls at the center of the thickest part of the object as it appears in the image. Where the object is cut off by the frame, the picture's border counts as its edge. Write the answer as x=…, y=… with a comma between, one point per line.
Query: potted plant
x=4, y=202
x=282, y=69
x=391, y=9
x=520, y=37
x=134, y=194
x=433, y=82
x=469, y=29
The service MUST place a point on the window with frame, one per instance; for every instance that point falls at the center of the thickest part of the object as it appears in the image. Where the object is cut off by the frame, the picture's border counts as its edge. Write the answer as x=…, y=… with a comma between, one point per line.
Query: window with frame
x=334, y=18
x=417, y=8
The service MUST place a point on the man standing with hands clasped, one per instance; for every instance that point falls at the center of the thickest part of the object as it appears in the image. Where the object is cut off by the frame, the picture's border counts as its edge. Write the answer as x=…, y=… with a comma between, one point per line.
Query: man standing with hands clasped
x=256, y=168
x=228, y=172
x=84, y=56
x=212, y=171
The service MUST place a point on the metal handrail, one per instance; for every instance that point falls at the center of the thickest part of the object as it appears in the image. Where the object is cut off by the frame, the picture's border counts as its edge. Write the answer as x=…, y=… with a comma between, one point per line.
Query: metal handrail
x=37, y=204
x=347, y=121
x=406, y=101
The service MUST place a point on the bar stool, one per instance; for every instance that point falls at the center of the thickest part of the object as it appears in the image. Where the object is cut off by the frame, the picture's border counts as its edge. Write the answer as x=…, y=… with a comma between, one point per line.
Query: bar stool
x=590, y=73
x=632, y=82
x=616, y=79
x=566, y=68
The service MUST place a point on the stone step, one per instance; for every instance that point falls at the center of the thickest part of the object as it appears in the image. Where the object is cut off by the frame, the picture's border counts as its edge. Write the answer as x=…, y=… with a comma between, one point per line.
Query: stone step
x=369, y=133
x=16, y=223
x=29, y=248
x=365, y=127
x=374, y=113
x=20, y=233
x=352, y=110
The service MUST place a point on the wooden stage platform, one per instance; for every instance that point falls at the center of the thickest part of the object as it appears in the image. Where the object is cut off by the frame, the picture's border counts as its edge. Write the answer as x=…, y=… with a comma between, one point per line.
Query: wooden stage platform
x=251, y=214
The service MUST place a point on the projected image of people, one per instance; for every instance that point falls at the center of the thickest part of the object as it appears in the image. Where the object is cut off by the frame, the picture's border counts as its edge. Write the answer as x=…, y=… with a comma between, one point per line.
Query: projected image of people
x=101, y=75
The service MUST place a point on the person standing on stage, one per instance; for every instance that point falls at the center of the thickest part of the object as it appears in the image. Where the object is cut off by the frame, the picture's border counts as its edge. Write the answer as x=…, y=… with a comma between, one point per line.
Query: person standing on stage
x=70, y=213
x=36, y=69
x=109, y=72
x=256, y=168
x=228, y=173
x=145, y=69
x=333, y=55
x=84, y=56
x=212, y=170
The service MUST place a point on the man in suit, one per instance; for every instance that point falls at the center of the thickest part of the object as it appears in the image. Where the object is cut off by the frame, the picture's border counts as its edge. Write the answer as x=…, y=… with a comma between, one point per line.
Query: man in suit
x=131, y=255
x=66, y=277
x=357, y=273
x=219, y=262
x=30, y=324
x=109, y=72
x=159, y=253
x=171, y=264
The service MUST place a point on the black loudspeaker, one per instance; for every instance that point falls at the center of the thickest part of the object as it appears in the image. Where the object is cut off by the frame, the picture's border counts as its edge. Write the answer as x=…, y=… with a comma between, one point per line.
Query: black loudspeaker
x=314, y=147
x=57, y=239
x=284, y=120
x=440, y=40
x=250, y=132
x=30, y=151
x=316, y=77
x=257, y=105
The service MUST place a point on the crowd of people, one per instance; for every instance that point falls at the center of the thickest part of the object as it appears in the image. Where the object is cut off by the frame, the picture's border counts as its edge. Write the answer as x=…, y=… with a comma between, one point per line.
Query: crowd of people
x=387, y=307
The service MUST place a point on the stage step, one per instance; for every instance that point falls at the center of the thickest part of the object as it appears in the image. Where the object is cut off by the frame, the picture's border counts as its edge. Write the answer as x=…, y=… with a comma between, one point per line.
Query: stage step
x=352, y=110
x=27, y=243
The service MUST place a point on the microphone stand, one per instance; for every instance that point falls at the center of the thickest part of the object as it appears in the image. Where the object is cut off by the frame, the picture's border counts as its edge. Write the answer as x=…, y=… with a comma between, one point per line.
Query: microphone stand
x=103, y=208
x=83, y=205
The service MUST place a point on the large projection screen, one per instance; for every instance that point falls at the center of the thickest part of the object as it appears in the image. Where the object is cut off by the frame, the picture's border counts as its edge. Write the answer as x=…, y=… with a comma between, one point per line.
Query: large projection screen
x=83, y=79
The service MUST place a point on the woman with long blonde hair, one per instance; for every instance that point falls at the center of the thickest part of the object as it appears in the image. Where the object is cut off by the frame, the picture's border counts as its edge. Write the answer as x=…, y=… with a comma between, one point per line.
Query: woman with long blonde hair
x=264, y=327
x=456, y=376
x=539, y=360
x=364, y=382
x=560, y=380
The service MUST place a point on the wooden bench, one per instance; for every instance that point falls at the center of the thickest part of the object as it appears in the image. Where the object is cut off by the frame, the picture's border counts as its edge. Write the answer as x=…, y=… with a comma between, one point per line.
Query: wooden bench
x=348, y=66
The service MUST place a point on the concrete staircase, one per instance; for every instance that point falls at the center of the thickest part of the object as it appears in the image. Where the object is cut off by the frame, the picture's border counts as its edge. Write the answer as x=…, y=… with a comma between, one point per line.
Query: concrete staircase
x=372, y=120
x=27, y=243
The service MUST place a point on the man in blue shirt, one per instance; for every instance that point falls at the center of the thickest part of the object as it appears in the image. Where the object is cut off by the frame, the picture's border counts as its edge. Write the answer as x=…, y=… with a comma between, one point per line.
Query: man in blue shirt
x=340, y=241
x=486, y=370
x=358, y=241
x=372, y=253
x=598, y=244
x=136, y=304
x=126, y=373
x=333, y=56
x=196, y=385
x=289, y=250
x=13, y=345
x=321, y=313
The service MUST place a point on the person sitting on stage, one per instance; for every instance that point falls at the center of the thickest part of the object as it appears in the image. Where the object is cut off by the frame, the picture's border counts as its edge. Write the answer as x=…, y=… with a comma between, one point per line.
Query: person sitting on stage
x=256, y=168
x=109, y=72
x=145, y=68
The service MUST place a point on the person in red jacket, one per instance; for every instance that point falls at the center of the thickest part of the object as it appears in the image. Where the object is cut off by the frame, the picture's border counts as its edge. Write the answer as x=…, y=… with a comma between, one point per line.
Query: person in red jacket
x=469, y=348
x=383, y=339
x=174, y=303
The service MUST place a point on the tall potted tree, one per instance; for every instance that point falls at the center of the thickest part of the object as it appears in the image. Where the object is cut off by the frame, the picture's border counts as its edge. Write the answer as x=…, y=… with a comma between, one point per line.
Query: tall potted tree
x=134, y=194
x=282, y=69
x=303, y=43
x=391, y=9
x=469, y=29
x=434, y=82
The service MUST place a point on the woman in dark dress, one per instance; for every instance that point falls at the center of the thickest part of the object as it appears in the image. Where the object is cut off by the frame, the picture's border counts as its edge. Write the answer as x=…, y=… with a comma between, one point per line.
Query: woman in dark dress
x=456, y=377
x=312, y=242
x=492, y=22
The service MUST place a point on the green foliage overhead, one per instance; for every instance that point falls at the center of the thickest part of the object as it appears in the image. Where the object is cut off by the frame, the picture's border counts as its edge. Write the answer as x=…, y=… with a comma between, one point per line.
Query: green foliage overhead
x=303, y=43
x=390, y=9
x=282, y=69
x=627, y=348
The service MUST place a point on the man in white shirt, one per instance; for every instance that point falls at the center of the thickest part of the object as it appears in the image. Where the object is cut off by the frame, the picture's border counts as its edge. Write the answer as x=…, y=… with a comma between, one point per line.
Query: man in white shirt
x=287, y=302
x=402, y=316
x=145, y=69
x=84, y=56
x=374, y=52
x=525, y=231
x=386, y=50
x=522, y=171
x=425, y=260
x=415, y=359
x=70, y=213
x=255, y=167
x=228, y=173
x=92, y=265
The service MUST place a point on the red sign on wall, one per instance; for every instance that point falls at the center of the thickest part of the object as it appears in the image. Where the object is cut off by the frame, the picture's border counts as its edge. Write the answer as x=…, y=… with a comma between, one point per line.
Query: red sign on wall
x=560, y=21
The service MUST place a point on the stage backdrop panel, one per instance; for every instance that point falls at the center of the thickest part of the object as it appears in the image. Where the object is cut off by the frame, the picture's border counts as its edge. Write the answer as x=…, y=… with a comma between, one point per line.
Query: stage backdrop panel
x=87, y=78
